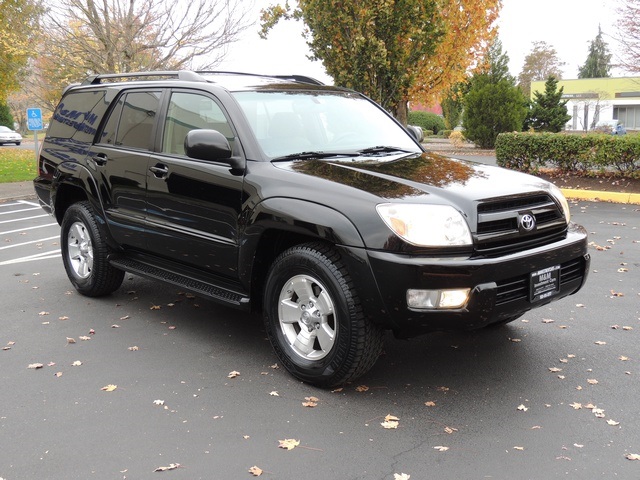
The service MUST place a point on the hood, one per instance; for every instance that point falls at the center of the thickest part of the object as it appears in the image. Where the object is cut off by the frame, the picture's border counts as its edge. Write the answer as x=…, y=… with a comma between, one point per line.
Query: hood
x=425, y=177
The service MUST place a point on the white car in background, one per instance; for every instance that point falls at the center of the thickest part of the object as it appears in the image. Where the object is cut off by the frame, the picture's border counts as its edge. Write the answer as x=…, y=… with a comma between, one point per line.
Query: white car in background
x=9, y=136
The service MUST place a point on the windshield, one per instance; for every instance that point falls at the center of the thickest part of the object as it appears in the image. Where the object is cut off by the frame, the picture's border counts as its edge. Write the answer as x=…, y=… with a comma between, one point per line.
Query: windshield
x=287, y=123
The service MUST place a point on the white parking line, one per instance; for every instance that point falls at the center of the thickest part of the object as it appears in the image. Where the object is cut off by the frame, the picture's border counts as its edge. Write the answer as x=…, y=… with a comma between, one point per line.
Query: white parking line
x=31, y=258
x=23, y=218
x=25, y=202
x=20, y=211
x=28, y=228
x=29, y=243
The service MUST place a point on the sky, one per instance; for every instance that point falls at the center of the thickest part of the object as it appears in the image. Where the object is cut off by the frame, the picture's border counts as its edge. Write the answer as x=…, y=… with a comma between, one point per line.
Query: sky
x=566, y=25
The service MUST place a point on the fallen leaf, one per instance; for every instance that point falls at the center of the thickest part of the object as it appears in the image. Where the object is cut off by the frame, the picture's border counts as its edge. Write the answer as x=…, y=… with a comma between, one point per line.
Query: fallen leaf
x=57, y=374
x=440, y=448
x=519, y=448
x=109, y=388
x=158, y=402
x=627, y=328
x=77, y=363
x=288, y=443
x=255, y=471
x=613, y=423
x=155, y=307
x=577, y=445
x=623, y=270
x=522, y=408
x=600, y=342
x=430, y=404
x=401, y=476
x=233, y=374
x=555, y=369
x=576, y=405
x=547, y=320
x=592, y=381
x=390, y=422
x=84, y=337
x=64, y=317
x=115, y=326
x=35, y=366
x=92, y=331
x=71, y=340
x=632, y=456
x=362, y=388
x=42, y=314
x=135, y=348
x=172, y=466
x=126, y=317
x=274, y=366
x=622, y=358
x=515, y=340
x=450, y=430
x=274, y=394
x=616, y=294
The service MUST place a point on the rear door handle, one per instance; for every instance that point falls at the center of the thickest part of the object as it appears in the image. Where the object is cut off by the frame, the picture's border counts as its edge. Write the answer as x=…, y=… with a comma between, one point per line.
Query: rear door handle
x=100, y=159
x=159, y=170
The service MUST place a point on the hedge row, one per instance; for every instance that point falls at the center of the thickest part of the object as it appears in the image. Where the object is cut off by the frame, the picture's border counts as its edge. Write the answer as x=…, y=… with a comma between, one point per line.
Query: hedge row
x=528, y=152
x=426, y=120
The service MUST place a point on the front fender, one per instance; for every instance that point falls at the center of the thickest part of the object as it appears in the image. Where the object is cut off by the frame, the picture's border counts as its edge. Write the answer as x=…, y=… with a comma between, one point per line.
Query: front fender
x=304, y=218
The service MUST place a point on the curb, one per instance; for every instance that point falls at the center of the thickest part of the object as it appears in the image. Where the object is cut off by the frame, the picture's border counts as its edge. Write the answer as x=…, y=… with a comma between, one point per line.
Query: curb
x=594, y=195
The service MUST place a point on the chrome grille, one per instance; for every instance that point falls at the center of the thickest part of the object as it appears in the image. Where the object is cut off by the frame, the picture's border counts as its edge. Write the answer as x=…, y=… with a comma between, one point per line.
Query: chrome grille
x=498, y=230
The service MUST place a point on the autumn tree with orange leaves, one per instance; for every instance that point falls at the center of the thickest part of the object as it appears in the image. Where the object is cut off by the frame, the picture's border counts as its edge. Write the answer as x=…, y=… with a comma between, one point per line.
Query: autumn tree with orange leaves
x=394, y=51
x=469, y=31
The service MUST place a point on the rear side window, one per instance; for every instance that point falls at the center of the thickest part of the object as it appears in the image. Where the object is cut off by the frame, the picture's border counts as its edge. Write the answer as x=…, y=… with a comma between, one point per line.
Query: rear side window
x=132, y=119
x=78, y=116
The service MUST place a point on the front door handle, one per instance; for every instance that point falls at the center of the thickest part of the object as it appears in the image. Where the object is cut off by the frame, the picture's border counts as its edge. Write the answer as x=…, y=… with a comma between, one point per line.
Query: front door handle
x=159, y=170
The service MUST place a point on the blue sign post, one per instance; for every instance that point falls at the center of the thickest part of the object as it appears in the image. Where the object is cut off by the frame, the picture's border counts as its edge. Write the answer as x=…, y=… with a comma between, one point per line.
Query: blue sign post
x=34, y=122
x=34, y=119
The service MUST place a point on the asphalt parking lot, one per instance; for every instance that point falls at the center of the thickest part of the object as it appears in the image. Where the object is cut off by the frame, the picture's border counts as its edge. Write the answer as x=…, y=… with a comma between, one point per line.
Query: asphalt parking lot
x=140, y=384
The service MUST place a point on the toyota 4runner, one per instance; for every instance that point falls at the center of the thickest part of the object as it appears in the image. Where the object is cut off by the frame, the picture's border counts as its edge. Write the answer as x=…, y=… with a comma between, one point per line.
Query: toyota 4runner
x=304, y=201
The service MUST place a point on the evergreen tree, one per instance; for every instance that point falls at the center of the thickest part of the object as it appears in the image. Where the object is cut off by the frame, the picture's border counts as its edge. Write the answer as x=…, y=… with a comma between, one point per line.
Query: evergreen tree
x=598, y=63
x=548, y=111
x=493, y=104
x=6, y=118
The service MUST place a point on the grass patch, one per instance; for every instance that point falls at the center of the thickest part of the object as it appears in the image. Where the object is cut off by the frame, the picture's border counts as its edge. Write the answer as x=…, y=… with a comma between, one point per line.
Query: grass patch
x=17, y=165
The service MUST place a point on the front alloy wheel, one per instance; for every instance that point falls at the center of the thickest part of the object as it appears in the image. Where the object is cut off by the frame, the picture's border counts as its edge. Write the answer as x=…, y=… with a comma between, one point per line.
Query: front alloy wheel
x=314, y=318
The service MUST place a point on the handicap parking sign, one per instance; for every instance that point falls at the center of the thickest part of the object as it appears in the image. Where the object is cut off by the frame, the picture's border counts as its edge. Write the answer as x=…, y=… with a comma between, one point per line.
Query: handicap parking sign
x=34, y=119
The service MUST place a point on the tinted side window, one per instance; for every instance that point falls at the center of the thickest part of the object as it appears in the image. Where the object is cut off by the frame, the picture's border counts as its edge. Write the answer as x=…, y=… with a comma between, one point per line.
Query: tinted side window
x=192, y=111
x=78, y=116
x=139, y=110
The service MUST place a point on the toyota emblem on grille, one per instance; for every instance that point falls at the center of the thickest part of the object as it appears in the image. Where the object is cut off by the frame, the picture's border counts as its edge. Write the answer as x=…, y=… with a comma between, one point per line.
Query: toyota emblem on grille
x=527, y=222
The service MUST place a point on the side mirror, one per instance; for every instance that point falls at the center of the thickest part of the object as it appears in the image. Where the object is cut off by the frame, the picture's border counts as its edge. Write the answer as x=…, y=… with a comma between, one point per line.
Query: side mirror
x=209, y=145
x=416, y=132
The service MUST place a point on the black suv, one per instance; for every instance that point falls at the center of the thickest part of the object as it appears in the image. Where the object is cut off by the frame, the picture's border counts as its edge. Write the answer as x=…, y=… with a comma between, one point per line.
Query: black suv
x=306, y=202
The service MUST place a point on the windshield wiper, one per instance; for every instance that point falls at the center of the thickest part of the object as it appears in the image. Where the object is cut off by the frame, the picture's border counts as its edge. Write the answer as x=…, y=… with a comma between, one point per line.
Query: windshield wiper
x=313, y=156
x=383, y=149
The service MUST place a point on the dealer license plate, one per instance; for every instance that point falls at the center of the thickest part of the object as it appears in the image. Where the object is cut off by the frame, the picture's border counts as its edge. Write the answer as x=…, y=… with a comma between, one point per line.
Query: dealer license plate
x=544, y=283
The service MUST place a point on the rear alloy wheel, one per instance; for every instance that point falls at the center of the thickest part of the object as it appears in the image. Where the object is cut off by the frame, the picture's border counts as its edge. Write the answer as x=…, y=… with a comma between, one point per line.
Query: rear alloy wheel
x=84, y=253
x=314, y=318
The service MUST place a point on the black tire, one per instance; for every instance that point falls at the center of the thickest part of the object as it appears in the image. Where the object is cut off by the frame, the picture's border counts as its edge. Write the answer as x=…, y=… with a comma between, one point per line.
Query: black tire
x=84, y=253
x=314, y=319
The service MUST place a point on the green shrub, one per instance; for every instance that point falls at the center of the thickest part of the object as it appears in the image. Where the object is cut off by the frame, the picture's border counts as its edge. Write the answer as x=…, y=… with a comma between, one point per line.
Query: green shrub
x=428, y=133
x=426, y=120
x=528, y=152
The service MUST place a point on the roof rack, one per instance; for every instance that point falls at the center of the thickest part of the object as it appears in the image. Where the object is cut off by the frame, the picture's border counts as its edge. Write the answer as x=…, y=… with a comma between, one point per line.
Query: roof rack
x=179, y=74
x=292, y=78
x=193, y=76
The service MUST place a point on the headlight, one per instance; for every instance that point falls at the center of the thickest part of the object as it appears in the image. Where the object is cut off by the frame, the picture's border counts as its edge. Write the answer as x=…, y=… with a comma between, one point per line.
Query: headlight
x=426, y=225
x=559, y=196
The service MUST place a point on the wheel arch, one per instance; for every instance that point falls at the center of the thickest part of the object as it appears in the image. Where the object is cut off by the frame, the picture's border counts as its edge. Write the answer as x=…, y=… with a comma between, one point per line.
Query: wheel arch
x=73, y=183
x=281, y=223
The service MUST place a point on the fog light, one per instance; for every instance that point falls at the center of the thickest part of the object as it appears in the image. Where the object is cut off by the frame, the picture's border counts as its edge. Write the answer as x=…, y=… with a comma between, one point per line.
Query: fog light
x=437, y=299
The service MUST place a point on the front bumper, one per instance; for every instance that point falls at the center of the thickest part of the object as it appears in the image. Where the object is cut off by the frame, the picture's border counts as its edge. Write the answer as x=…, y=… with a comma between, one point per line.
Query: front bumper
x=499, y=286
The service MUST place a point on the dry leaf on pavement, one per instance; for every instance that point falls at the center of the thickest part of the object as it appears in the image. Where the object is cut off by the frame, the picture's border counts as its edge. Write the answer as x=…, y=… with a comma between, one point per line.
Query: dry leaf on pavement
x=288, y=443
x=171, y=466
x=109, y=388
x=255, y=471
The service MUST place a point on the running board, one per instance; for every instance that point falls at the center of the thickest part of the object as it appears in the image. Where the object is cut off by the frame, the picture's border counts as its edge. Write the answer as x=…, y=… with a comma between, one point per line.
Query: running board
x=197, y=286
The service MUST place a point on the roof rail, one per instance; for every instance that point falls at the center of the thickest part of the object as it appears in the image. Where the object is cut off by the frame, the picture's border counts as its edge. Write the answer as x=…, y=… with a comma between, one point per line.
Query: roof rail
x=292, y=78
x=179, y=74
